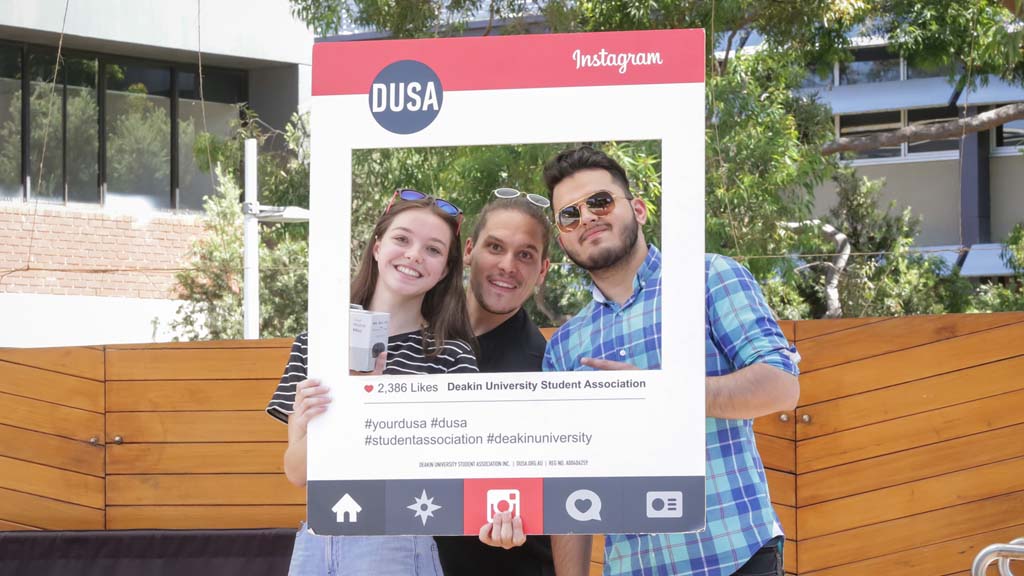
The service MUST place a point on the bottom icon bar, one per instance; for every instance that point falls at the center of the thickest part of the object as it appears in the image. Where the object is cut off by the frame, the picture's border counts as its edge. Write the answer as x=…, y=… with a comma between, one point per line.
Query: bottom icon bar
x=546, y=505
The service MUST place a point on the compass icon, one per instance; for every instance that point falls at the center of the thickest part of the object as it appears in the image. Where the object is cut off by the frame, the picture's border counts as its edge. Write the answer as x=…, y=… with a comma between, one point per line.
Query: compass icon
x=423, y=507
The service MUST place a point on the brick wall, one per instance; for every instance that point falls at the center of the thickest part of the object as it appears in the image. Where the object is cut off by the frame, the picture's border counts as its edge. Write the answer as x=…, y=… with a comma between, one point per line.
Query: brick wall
x=83, y=251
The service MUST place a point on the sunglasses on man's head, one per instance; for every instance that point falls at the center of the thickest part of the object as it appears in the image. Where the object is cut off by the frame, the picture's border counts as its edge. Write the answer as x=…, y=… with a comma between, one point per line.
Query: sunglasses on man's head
x=447, y=207
x=535, y=199
x=599, y=204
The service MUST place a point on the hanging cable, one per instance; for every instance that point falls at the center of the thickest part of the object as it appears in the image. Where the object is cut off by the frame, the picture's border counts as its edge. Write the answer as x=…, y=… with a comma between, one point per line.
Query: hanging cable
x=46, y=133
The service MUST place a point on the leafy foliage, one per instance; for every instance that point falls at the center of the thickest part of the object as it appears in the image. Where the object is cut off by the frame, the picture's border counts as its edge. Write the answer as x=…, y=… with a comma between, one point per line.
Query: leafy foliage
x=763, y=139
x=211, y=286
x=762, y=159
x=969, y=39
x=466, y=176
x=885, y=276
x=1009, y=295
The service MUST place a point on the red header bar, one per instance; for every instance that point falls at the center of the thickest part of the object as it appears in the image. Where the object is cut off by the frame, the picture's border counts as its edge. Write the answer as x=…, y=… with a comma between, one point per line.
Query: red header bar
x=528, y=61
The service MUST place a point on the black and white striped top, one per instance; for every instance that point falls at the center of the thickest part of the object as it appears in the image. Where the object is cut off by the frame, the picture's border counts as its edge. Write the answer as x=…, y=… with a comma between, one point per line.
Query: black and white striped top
x=405, y=356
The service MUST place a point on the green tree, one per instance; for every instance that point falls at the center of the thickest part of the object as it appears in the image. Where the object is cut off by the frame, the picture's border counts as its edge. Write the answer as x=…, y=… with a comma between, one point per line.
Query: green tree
x=767, y=146
x=762, y=157
x=884, y=276
x=1009, y=295
x=970, y=40
x=763, y=140
x=211, y=286
x=466, y=176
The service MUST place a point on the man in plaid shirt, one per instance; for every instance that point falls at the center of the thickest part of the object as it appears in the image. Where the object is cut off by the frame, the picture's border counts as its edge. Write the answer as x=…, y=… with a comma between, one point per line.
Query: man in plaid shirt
x=751, y=368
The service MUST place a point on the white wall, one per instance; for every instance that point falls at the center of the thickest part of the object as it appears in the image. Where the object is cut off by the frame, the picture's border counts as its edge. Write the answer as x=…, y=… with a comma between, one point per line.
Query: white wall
x=41, y=320
x=1007, y=189
x=930, y=189
x=256, y=29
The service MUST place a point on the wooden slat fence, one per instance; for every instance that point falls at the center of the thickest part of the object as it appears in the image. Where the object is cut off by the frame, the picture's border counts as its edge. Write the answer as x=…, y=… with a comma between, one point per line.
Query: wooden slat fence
x=904, y=456
x=198, y=450
x=909, y=451
x=52, y=476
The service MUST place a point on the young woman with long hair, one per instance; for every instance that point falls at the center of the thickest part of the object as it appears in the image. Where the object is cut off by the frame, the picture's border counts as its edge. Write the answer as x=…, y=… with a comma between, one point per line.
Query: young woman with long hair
x=412, y=269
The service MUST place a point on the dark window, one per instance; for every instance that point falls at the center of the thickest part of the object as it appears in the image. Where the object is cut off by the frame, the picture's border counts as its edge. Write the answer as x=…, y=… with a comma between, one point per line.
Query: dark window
x=78, y=130
x=1010, y=134
x=872, y=123
x=223, y=86
x=138, y=131
x=10, y=122
x=928, y=70
x=223, y=91
x=818, y=77
x=82, y=120
x=45, y=170
x=925, y=116
x=875, y=64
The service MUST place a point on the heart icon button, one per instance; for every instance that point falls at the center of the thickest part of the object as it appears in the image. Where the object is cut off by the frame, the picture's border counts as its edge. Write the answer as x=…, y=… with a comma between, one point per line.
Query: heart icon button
x=583, y=505
x=368, y=387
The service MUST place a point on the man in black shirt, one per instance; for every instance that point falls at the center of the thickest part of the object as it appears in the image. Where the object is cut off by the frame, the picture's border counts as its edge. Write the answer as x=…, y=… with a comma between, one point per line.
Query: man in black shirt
x=507, y=257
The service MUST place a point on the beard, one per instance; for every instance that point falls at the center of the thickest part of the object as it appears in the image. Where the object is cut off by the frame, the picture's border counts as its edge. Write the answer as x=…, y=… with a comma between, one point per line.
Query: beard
x=609, y=256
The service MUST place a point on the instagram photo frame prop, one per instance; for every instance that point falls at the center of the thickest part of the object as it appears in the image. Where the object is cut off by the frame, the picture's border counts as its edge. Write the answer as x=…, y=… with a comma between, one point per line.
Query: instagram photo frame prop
x=568, y=452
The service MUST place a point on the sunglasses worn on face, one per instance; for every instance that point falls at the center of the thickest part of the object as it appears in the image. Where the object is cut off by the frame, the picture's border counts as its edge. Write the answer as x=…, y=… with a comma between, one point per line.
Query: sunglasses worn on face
x=599, y=204
x=447, y=207
x=535, y=199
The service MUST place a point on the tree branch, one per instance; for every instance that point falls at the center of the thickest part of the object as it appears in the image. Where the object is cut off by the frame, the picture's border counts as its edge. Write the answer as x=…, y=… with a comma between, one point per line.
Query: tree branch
x=833, y=307
x=728, y=48
x=743, y=41
x=739, y=26
x=490, y=20
x=921, y=132
x=542, y=305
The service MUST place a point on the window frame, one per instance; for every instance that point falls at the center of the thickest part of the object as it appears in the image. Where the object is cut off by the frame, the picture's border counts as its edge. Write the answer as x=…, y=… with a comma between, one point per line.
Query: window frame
x=837, y=70
x=23, y=148
x=103, y=60
x=1002, y=151
x=901, y=68
x=879, y=159
x=905, y=155
x=190, y=68
x=931, y=153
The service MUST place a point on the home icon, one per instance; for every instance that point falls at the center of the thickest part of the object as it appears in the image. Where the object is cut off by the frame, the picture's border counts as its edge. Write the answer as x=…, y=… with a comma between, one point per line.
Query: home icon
x=347, y=505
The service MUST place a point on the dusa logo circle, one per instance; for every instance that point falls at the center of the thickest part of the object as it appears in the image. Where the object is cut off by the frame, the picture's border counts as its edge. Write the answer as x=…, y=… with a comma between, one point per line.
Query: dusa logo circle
x=405, y=97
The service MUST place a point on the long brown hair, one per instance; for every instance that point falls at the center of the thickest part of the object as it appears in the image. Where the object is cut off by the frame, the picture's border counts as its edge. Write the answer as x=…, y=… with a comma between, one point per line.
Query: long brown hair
x=444, y=305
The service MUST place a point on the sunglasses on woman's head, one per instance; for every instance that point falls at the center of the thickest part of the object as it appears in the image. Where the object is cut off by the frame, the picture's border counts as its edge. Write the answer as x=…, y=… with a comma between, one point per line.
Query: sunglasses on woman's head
x=599, y=204
x=535, y=199
x=447, y=207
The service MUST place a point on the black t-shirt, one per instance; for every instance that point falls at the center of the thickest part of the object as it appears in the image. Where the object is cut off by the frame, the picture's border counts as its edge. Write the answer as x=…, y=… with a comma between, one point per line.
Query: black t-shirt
x=405, y=356
x=514, y=346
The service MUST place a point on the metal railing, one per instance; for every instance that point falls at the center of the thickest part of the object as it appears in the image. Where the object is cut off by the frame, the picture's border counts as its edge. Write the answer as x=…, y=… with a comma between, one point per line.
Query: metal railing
x=1003, y=553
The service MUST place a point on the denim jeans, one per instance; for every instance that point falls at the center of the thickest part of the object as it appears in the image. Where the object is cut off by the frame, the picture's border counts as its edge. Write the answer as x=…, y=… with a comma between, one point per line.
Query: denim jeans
x=363, y=555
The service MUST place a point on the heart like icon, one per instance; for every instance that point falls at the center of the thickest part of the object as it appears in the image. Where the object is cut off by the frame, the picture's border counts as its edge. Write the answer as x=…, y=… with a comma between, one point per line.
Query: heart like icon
x=583, y=505
x=368, y=387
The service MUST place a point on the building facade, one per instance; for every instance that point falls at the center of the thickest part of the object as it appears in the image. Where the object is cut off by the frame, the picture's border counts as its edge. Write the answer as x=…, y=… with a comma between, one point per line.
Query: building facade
x=967, y=191
x=100, y=189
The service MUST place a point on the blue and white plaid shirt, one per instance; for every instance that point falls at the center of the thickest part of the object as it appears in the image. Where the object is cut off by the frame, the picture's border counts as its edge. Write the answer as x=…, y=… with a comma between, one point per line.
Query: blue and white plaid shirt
x=740, y=330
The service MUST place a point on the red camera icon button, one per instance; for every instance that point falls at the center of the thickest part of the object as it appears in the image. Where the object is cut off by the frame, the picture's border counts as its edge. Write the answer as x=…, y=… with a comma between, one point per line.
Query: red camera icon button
x=486, y=497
